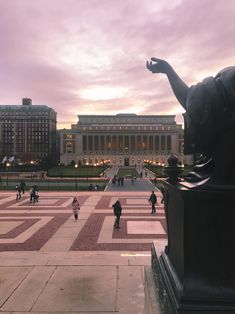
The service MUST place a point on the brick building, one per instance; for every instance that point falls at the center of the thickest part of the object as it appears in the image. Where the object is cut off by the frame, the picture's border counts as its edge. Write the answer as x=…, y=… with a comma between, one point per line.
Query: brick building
x=27, y=132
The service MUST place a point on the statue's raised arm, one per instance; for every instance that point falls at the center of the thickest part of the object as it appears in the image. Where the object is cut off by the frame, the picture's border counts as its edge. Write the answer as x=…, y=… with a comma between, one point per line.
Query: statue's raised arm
x=179, y=88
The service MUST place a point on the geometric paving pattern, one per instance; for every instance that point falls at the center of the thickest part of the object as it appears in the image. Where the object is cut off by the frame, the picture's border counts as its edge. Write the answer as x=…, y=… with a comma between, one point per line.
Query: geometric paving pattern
x=31, y=233
x=47, y=202
x=99, y=234
x=25, y=226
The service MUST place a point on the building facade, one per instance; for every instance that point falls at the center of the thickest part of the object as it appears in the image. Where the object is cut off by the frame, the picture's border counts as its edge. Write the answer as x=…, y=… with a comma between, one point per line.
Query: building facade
x=122, y=139
x=27, y=132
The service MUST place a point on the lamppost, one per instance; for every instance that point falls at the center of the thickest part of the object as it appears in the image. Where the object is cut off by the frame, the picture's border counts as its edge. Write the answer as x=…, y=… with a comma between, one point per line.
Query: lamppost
x=31, y=163
x=76, y=184
x=87, y=171
x=7, y=166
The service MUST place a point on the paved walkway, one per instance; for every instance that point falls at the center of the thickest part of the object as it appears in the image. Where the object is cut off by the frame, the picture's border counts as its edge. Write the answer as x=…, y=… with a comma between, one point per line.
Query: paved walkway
x=51, y=264
x=140, y=184
x=129, y=185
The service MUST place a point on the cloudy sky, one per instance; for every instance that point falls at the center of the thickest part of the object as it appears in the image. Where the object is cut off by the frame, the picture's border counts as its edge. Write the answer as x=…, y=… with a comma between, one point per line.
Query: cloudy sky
x=88, y=56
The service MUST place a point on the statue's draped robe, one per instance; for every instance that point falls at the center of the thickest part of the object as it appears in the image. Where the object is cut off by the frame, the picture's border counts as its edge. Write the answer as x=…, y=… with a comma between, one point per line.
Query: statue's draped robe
x=210, y=112
x=210, y=124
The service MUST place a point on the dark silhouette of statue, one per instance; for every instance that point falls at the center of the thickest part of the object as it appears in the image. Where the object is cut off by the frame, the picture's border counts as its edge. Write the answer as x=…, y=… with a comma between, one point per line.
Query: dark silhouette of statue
x=209, y=121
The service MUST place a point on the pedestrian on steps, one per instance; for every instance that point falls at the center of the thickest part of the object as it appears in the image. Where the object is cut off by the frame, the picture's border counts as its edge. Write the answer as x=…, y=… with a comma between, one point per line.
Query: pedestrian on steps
x=153, y=201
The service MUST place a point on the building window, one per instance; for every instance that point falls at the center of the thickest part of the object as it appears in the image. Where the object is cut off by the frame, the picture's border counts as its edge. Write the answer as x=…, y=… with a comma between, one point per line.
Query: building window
x=114, y=142
x=84, y=142
x=157, y=143
x=126, y=143
x=168, y=140
x=120, y=142
x=163, y=142
x=90, y=142
x=145, y=143
x=150, y=142
x=96, y=142
x=133, y=145
x=102, y=142
x=108, y=142
x=139, y=144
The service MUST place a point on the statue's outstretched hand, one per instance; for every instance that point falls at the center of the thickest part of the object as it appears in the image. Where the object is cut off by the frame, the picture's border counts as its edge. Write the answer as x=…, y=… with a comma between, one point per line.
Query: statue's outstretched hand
x=178, y=86
x=158, y=66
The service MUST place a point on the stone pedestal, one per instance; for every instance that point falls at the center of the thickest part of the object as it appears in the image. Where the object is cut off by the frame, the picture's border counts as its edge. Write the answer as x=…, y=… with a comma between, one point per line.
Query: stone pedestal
x=197, y=269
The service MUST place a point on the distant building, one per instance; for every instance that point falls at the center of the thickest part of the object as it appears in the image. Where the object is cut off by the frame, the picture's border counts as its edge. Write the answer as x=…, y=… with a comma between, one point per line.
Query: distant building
x=27, y=132
x=122, y=139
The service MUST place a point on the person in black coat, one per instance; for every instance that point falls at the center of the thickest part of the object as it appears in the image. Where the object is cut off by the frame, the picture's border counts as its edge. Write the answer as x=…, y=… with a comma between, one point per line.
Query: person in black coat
x=153, y=201
x=117, y=209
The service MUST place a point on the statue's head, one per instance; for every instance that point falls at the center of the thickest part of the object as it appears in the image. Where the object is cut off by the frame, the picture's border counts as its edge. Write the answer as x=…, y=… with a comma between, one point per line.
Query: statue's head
x=226, y=71
x=227, y=77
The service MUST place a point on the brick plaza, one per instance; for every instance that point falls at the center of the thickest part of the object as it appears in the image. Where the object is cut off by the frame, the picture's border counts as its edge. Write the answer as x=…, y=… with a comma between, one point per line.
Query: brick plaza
x=42, y=250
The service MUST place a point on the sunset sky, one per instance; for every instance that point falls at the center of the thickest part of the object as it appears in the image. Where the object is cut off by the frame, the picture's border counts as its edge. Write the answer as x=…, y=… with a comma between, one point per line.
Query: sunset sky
x=88, y=56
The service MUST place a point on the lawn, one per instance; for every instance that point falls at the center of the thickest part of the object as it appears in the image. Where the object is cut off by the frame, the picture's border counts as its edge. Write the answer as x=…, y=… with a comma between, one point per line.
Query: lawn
x=55, y=184
x=127, y=172
x=159, y=171
x=82, y=171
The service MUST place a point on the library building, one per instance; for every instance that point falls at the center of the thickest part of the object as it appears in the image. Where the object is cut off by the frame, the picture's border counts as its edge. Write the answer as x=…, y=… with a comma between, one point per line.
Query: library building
x=122, y=140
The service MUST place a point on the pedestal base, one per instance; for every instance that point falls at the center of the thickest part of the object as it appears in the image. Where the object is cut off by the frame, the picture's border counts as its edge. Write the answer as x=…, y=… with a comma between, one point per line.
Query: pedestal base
x=170, y=292
x=196, y=273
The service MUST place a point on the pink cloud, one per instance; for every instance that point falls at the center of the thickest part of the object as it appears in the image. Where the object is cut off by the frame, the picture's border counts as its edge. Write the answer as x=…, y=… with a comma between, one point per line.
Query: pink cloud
x=52, y=50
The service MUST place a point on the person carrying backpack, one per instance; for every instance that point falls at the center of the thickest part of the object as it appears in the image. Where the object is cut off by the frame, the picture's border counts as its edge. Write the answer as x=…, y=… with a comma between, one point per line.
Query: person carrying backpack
x=117, y=209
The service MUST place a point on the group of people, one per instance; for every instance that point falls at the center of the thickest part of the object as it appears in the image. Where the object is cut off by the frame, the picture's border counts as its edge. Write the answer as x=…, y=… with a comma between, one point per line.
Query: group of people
x=117, y=208
x=33, y=192
x=118, y=180
x=92, y=187
x=141, y=174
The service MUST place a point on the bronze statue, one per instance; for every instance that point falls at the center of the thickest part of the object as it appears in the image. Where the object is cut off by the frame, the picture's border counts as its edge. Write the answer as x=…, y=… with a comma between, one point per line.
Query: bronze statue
x=209, y=121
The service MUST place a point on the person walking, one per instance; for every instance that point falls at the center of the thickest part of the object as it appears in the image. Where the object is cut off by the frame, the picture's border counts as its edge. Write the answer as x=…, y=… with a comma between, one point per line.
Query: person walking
x=117, y=209
x=76, y=208
x=132, y=179
x=164, y=195
x=36, y=196
x=22, y=186
x=32, y=195
x=153, y=201
x=114, y=180
x=18, y=192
